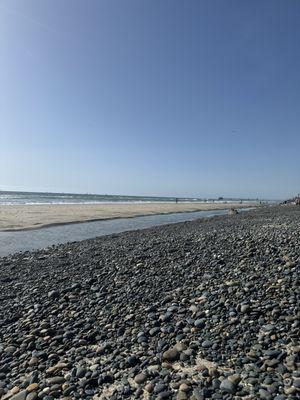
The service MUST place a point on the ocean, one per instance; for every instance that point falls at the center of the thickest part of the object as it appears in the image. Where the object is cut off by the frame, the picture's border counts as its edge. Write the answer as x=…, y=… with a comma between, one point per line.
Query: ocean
x=70, y=198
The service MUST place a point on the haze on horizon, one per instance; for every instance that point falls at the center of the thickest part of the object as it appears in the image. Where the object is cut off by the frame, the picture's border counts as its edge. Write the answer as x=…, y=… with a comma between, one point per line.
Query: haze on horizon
x=165, y=98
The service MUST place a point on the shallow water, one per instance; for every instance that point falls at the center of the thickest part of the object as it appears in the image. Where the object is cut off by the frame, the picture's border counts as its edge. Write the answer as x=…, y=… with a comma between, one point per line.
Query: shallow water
x=12, y=242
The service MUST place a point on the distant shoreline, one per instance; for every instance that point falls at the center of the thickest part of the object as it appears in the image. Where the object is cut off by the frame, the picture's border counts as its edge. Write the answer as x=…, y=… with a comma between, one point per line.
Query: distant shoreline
x=28, y=198
x=28, y=217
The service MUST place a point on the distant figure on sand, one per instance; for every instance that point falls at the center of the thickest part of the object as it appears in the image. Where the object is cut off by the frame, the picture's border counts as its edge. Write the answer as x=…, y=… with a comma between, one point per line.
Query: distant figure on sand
x=176, y=200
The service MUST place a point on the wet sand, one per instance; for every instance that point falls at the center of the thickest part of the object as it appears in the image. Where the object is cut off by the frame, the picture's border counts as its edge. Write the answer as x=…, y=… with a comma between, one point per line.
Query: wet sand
x=21, y=217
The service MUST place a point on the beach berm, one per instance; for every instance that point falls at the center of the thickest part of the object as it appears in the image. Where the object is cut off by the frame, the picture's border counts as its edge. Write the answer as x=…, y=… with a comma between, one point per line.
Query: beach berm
x=197, y=310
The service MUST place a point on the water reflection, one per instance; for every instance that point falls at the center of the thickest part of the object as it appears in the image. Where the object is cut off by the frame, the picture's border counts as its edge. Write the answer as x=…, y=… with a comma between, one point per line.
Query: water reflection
x=12, y=242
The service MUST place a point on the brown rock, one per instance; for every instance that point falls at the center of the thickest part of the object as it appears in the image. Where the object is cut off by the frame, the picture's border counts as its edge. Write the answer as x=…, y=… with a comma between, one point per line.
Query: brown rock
x=32, y=387
x=171, y=354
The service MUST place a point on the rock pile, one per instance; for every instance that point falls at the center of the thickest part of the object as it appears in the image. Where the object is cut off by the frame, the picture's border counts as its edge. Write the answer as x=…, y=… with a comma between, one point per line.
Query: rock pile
x=198, y=310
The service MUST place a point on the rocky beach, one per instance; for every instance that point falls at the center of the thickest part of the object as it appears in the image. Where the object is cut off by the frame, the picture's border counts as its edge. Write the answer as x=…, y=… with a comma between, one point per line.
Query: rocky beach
x=197, y=310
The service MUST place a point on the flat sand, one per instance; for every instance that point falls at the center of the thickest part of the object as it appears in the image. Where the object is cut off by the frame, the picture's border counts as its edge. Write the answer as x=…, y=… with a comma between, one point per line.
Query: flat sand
x=22, y=217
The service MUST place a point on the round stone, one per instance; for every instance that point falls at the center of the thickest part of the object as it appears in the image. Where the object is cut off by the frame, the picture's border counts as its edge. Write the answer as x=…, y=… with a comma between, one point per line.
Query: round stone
x=140, y=378
x=228, y=386
x=171, y=355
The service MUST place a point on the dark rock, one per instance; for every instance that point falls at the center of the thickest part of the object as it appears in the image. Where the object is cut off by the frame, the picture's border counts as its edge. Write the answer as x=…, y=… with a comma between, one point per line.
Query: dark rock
x=54, y=294
x=228, y=386
x=206, y=343
x=132, y=361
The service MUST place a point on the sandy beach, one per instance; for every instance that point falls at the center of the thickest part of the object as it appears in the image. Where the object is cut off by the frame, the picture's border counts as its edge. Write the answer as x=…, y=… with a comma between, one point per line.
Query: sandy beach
x=21, y=217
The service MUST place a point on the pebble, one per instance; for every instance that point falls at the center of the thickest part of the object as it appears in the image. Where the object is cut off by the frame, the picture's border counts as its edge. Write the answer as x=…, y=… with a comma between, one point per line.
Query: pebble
x=159, y=387
x=181, y=395
x=32, y=387
x=132, y=361
x=228, y=386
x=200, y=323
x=56, y=380
x=184, y=387
x=80, y=372
x=53, y=294
x=245, y=308
x=140, y=378
x=171, y=355
x=32, y=396
x=19, y=396
x=154, y=331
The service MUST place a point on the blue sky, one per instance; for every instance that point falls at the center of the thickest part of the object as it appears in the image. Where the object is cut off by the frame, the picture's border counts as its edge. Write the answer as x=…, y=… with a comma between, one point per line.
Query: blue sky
x=150, y=97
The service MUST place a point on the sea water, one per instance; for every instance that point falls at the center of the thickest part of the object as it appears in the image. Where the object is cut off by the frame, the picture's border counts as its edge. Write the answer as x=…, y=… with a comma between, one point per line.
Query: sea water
x=88, y=198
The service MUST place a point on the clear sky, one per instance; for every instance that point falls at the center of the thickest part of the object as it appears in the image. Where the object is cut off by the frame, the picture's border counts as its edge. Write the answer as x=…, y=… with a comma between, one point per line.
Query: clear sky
x=151, y=97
